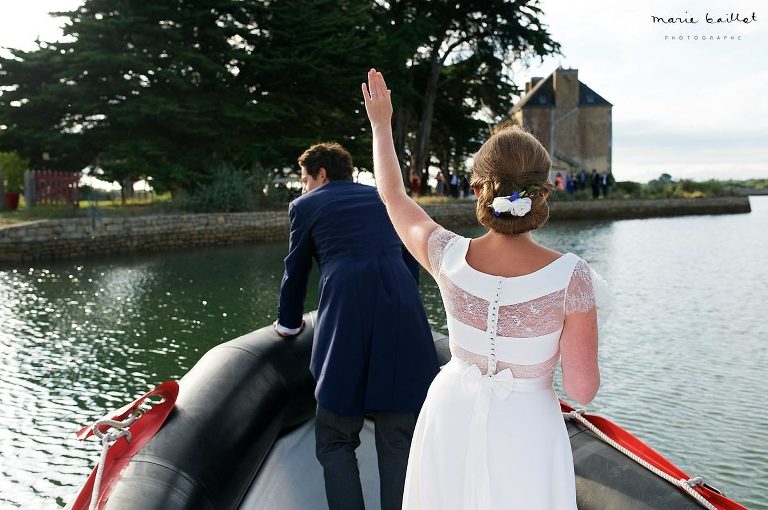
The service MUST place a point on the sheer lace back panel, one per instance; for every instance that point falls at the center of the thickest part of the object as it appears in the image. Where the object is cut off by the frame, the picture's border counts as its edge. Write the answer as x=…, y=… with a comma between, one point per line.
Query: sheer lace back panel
x=499, y=322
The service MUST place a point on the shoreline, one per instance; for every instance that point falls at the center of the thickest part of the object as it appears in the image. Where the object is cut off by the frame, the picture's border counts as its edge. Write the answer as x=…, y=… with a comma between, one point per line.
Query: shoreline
x=75, y=237
x=462, y=214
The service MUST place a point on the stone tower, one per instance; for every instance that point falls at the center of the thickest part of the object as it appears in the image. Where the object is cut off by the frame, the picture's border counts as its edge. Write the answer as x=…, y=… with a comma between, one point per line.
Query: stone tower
x=571, y=120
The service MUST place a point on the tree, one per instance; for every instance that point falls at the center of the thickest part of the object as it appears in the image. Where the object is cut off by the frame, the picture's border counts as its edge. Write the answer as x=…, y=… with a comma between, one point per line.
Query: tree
x=400, y=30
x=493, y=31
x=471, y=99
x=174, y=89
x=145, y=88
x=307, y=64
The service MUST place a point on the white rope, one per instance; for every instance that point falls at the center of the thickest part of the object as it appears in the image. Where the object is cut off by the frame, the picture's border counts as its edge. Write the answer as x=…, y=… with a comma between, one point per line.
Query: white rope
x=686, y=485
x=108, y=439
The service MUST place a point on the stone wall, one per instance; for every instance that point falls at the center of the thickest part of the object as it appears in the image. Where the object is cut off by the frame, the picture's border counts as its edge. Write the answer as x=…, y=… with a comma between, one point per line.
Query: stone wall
x=75, y=237
x=595, y=138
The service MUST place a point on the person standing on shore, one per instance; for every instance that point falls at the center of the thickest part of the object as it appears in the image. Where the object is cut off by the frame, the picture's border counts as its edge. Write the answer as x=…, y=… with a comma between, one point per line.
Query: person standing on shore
x=595, y=181
x=582, y=180
x=453, y=184
x=415, y=183
x=440, y=186
x=604, y=184
x=373, y=351
x=464, y=186
x=559, y=184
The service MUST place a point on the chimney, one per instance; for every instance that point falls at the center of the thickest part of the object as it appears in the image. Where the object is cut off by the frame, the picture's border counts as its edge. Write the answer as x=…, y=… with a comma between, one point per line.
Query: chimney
x=566, y=85
x=532, y=83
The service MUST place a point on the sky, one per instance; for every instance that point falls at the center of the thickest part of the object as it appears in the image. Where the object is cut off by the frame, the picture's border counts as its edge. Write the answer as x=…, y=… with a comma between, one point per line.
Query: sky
x=693, y=108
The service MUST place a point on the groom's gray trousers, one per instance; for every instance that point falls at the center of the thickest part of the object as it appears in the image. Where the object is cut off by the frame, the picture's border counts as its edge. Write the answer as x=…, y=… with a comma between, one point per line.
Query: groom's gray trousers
x=337, y=437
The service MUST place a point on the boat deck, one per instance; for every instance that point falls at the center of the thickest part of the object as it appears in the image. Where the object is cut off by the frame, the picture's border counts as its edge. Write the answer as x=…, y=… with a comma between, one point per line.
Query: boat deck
x=291, y=476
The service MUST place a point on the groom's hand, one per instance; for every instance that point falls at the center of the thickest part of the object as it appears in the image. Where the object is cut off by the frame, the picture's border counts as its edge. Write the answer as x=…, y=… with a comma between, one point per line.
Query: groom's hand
x=286, y=335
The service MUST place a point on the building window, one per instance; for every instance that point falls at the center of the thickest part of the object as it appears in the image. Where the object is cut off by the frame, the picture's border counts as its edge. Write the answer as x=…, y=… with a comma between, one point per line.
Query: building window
x=542, y=100
x=590, y=98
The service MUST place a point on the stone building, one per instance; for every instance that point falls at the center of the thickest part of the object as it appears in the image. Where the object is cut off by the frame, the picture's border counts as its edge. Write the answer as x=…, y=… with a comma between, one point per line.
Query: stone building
x=570, y=119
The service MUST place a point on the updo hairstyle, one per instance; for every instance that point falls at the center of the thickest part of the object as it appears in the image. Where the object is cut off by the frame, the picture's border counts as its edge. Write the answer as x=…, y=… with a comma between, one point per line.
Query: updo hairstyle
x=511, y=160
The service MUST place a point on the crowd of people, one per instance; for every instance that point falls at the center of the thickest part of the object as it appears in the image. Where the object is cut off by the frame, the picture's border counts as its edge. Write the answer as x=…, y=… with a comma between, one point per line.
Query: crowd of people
x=599, y=183
x=452, y=186
x=457, y=186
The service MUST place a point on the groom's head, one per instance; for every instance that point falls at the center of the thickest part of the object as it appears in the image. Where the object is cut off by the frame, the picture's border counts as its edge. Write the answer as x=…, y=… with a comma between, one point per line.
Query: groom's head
x=323, y=163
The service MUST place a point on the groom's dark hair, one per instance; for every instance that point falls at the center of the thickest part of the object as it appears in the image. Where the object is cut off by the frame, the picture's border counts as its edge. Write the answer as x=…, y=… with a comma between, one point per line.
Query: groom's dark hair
x=331, y=156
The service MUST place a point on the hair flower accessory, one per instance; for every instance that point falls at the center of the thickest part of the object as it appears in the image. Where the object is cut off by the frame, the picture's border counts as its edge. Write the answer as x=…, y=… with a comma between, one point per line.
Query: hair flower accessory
x=517, y=204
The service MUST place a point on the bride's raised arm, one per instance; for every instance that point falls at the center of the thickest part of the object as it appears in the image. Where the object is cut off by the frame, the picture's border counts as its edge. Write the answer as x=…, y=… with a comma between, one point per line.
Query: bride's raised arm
x=412, y=224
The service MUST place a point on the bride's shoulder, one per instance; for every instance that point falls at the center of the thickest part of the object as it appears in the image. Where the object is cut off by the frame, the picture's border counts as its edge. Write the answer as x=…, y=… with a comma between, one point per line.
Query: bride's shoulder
x=584, y=275
x=439, y=242
x=441, y=237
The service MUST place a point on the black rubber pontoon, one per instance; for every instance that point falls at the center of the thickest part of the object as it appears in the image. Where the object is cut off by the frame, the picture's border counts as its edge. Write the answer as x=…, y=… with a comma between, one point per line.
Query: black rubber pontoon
x=241, y=437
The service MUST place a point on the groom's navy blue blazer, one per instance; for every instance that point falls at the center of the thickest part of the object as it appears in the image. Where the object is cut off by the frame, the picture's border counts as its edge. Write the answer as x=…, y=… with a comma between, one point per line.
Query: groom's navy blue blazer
x=373, y=348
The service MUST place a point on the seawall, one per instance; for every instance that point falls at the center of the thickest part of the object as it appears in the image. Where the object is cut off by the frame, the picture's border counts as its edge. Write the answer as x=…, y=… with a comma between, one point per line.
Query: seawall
x=77, y=237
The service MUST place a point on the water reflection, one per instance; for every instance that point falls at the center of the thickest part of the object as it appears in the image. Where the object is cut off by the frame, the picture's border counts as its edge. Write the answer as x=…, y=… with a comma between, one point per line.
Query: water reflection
x=80, y=338
x=682, y=358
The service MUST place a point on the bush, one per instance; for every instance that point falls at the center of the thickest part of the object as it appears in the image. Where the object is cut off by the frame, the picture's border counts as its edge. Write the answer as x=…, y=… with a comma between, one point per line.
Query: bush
x=564, y=196
x=91, y=194
x=230, y=190
x=12, y=167
x=629, y=189
x=666, y=187
x=273, y=190
x=710, y=188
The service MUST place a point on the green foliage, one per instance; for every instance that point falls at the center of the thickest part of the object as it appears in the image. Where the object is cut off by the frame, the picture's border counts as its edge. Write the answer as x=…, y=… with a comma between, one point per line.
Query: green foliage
x=665, y=186
x=629, y=188
x=272, y=192
x=711, y=188
x=308, y=69
x=230, y=190
x=12, y=168
x=754, y=183
x=90, y=194
x=456, y=133
x=167, y=89
x=483, y=37
x=563, y=196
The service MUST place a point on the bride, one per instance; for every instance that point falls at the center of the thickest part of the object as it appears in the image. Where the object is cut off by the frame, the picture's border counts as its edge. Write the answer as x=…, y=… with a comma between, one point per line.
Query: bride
x=490, y=434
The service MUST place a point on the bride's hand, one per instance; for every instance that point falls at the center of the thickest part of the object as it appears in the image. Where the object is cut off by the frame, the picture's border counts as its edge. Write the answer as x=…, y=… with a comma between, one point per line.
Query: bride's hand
x=377, y=99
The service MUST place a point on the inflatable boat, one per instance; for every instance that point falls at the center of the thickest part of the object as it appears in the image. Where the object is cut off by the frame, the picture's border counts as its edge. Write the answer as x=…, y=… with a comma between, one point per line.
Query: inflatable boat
x=236, y=433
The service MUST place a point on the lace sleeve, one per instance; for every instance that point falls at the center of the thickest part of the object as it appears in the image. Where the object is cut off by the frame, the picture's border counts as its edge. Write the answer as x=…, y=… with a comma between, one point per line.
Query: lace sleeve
x=588, y=290
x=580, y=296
x=438, y=242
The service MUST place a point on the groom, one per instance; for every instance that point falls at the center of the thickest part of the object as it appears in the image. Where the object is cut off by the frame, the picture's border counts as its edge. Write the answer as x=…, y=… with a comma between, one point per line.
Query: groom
x=373, y=352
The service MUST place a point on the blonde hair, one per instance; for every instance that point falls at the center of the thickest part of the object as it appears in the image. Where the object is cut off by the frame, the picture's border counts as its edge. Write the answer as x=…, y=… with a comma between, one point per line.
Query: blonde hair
x=512, y=160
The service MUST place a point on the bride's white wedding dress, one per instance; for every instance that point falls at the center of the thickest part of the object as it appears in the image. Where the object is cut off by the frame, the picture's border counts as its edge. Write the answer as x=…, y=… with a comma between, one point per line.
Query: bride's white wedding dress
x=490, y=434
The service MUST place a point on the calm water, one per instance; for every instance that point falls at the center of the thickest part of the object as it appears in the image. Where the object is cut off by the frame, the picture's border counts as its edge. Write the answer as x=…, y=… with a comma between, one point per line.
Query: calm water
x=683, y=358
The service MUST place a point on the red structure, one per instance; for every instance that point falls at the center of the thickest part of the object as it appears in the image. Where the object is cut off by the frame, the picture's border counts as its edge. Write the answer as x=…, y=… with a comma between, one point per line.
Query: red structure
x=55, y=187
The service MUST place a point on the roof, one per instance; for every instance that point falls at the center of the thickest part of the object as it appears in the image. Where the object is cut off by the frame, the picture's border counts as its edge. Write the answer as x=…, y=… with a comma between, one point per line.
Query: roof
x=542, y=95
x=588, y=97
